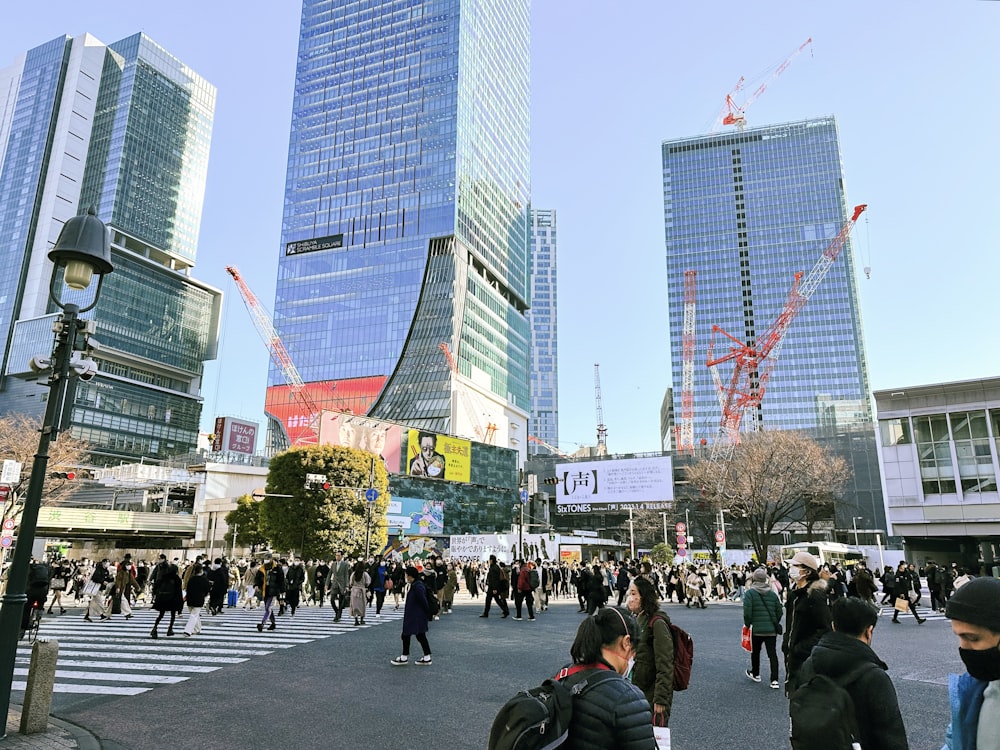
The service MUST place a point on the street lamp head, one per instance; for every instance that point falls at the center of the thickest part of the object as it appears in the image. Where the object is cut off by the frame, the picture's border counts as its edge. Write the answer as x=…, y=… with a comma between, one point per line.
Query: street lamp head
x=83, y=249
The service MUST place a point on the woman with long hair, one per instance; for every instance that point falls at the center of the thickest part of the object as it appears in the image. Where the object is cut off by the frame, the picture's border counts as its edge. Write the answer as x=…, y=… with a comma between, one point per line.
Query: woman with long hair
x=653, y=672
x=611, y=711
x=359, y=592
x=169, y=598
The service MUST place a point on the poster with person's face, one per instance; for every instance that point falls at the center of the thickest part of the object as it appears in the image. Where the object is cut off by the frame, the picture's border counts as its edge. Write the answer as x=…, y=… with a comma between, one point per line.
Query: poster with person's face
x=372, y=435
x=435, y=456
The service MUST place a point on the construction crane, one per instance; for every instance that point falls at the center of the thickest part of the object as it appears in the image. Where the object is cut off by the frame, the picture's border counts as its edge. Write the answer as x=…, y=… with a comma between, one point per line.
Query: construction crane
x=602, y=431
x=685, y=426
x=753, y=365
x=487, y=434
x=735, y=113
x=552, y=448
x=279, y=355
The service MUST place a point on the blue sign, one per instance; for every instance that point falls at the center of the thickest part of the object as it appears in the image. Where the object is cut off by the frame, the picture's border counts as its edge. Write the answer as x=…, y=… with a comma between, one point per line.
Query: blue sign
x=524, y=496
x=371, y=495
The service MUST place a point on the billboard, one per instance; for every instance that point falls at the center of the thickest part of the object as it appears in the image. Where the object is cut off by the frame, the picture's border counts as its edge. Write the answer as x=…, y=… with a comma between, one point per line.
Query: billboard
x=413, y=516
x=355, y=395
x=373, y=435
x=236, y=435
x=437, y=456
x=615, y=485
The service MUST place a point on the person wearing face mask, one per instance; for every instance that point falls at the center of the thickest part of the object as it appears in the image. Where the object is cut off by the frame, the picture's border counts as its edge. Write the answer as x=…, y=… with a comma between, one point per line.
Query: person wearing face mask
x=845, y=656
x=218, y=576
x=807, y=614
x=613, y=712
x=653, y=672
x=974, y=611
x=295, y=577
x=102, y=577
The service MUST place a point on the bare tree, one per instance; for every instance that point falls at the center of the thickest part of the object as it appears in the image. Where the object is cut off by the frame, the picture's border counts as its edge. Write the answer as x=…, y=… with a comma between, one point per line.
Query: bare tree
x=19, y=442
x=773, y=481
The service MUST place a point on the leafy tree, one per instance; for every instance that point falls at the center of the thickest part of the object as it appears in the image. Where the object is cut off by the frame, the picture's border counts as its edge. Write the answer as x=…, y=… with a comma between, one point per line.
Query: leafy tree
x=244, y=521
x=661, y=554
x=19, y=442
x=316, y=522
x=772, y=483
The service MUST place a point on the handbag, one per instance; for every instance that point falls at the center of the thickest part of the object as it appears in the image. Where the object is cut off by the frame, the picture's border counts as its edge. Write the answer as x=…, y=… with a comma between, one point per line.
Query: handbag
x=778, y=630
x=91, y=588
x=58, y=584
x=914, y=596
x=388, y=584
x=902, y=604
x=746, y=641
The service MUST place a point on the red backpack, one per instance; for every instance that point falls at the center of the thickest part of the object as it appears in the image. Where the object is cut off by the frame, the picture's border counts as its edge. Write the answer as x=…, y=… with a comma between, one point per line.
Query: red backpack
x=683, y=652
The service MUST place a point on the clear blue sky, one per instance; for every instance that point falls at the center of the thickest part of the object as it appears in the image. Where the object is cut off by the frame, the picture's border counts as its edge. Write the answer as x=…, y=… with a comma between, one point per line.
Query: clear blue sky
x=913, y=86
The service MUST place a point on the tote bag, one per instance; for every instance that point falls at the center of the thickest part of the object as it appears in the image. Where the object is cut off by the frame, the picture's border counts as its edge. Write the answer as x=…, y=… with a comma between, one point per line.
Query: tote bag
x=746, y=640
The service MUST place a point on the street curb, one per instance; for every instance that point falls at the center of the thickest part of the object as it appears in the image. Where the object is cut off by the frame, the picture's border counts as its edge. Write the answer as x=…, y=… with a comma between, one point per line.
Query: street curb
x=85, y=739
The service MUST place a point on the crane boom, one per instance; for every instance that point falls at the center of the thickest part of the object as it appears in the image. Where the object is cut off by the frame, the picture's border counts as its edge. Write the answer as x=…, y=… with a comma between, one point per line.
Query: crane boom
x=279, y=354
x=736, y=113
x=602, y=431
x=753, y=365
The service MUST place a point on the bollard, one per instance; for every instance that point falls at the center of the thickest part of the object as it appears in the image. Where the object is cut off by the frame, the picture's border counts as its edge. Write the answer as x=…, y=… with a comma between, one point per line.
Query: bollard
x=38, y=691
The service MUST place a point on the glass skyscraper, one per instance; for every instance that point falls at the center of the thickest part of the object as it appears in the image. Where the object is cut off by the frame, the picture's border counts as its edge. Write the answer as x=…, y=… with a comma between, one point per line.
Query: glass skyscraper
x=125, y=128
x=404, y=258
x=747, y=210
x=544, y=424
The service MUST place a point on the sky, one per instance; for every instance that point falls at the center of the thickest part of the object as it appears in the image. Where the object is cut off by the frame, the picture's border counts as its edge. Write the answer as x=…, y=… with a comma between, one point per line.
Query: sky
x=913, y=86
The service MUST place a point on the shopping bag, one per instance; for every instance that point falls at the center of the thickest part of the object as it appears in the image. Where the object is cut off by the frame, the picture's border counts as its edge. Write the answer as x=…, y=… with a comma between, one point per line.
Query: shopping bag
x=91, y=588
x=902, y=604
x=662, y=734
x=746, y=641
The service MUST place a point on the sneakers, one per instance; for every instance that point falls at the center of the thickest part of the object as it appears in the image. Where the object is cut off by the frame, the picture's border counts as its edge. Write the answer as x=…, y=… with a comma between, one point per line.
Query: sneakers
x=484, y=615
x=400, y=661
x=424, y=661
x=517, y=617
x=774, y=685
x=531, y=619
x=752, y=676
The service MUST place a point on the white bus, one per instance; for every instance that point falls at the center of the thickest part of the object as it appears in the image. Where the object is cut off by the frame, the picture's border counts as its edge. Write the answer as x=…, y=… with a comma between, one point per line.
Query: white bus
x=843, y=555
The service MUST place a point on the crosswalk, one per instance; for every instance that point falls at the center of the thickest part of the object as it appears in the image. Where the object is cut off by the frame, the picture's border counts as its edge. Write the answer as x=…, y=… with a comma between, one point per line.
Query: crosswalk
x=118, y=657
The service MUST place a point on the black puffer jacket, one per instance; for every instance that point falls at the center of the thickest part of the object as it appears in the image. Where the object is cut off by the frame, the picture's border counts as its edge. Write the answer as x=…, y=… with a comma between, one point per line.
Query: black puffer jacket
x=611, y=714
x=876, y=708
x=808, y=619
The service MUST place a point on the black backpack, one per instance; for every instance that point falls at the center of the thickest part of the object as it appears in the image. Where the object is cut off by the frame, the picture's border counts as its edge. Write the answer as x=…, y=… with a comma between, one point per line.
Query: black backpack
x=821, y=713
x=433, y=605
x=38, y=576
x=539, y=719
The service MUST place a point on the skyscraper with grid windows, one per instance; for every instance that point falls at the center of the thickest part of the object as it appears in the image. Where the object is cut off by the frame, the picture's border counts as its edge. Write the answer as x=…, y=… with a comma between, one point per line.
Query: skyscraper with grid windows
x=544, y=426
x=124, y=128
x=402, y=284
x=747, y=210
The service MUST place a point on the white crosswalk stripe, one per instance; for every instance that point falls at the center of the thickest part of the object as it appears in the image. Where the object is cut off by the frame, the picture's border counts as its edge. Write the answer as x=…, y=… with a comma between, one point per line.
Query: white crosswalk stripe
x=118, y=657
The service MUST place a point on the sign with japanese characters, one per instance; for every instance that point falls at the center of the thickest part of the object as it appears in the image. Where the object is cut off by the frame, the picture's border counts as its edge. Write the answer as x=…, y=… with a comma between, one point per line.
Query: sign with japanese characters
x=615, y=485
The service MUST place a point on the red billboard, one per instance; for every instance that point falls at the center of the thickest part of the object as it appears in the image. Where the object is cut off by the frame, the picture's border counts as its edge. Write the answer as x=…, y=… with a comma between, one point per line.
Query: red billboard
x=353, y=395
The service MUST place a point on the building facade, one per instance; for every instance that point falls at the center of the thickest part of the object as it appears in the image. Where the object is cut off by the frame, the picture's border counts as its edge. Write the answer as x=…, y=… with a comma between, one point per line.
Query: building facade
x=544, y=424
x=747, y=210
x=939, y=449
x=403, y=281
x=125, y=128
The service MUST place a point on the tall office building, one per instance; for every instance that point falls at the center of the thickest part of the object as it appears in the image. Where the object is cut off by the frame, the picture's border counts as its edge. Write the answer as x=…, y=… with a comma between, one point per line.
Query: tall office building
x=747, y=210
x=544, y=423
x=125, y=128
x=403, y=273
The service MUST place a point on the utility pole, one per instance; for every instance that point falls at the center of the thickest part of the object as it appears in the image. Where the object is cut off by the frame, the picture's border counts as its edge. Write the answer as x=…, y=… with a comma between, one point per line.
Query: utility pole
x=665, y=543
x=631, y=534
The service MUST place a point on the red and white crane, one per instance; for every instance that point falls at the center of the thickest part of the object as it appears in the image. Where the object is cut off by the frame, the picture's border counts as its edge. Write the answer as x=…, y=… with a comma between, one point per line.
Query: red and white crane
x=279, y=355
x=735, y=114
x=602, y=431
x=753, y=364
x=685, y=425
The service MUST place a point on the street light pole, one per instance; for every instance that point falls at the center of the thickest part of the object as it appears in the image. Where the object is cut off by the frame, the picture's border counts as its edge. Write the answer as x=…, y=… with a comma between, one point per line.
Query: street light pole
x=631, y=534
x=665, y=542
x=856, y=543
x=83, y=249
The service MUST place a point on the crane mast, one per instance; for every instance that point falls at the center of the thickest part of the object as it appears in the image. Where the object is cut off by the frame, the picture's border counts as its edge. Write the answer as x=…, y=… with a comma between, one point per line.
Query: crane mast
x=685, y=426
x=753, y=365
x=279, y=354
x=602, y=431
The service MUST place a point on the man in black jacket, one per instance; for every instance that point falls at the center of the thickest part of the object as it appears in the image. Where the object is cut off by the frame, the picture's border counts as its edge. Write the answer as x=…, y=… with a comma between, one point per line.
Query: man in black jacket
x=845, y=656
x=494, y=584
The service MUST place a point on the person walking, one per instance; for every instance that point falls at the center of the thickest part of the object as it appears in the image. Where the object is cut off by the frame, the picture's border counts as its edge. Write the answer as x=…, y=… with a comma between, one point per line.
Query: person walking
x=125, y=586
x=494, y=583
x=270, y=582
x=249, y=586
x=168, y=598
x=807, y=614
x=359, y=592
x=197, y=589
x=522, y=591
x=99, y=579
x=653, y=672
x=59, y=582
x=905, y=587
x=416, y=619
x=218, y=576
x=340, y=586
x=762, y=613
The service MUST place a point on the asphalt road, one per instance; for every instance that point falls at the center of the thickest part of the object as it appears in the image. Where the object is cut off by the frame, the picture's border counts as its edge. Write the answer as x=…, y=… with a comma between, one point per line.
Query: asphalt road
x=341, y=691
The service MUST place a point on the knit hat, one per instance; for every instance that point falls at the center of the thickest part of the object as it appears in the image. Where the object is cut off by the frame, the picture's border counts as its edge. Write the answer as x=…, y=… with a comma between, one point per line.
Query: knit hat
x=977, y=603
x=759, y=576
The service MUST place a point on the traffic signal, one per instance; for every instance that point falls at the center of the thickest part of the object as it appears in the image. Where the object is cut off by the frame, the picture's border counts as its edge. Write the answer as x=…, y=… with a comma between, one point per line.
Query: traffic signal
x=62, y=475
x=317, y=485
x=551, y=480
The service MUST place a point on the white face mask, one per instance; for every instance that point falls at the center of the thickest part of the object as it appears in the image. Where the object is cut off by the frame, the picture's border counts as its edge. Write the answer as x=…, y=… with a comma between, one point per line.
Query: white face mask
x=794, y=574
x=628, y=667
x=214, y=566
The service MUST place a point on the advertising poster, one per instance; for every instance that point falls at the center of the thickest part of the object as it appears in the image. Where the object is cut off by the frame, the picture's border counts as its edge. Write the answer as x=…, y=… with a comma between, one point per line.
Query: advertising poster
x=351, y=431
x=354, y=395
x=414, y=516
x=570, y=553
x=614, y=485
x=438, y=456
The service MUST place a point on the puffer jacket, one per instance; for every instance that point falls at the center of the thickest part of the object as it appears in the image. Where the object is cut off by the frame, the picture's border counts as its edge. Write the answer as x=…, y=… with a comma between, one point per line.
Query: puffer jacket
x=653, y=673
x=808, y=619
x=853, y=664
x=611, y=714
x=761, y=611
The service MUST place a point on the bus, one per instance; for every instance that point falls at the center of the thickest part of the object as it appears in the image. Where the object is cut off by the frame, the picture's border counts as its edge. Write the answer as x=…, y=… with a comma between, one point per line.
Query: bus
x=844, y=555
